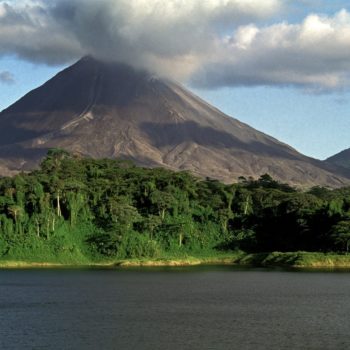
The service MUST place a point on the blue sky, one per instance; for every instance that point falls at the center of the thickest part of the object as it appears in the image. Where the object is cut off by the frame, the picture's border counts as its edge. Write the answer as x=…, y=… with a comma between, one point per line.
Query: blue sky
x=296, y=92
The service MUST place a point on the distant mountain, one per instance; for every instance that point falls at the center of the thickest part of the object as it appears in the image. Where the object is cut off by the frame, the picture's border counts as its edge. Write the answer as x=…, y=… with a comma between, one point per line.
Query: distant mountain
x=341, y=159
x=111, y=110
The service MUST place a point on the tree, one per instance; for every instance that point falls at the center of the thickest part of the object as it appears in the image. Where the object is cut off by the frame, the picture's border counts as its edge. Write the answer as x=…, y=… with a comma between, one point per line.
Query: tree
x=162, y=201
x=340, y=234
x=122, y=213
x=17, y=213
x=53, y=160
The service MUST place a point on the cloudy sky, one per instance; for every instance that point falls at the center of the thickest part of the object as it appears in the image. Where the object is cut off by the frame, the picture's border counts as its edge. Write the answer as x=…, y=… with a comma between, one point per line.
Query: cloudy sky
x=282, y=66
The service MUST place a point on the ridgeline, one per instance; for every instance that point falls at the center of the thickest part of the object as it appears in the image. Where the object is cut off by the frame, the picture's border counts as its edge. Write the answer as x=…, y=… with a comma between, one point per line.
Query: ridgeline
x=82, y=211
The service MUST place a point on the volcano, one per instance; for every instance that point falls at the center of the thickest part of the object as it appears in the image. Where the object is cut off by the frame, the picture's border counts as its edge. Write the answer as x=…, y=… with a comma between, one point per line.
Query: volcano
x=111, y=110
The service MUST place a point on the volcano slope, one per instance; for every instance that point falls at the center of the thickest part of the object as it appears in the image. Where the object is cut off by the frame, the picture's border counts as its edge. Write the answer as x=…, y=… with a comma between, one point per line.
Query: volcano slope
x=110, y=110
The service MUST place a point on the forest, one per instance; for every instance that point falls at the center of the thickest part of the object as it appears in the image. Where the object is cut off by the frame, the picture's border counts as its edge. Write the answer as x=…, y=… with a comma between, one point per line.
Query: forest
x=81, y=209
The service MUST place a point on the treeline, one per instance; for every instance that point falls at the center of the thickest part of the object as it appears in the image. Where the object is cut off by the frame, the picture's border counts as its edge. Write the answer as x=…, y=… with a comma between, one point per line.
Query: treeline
x=93, y=209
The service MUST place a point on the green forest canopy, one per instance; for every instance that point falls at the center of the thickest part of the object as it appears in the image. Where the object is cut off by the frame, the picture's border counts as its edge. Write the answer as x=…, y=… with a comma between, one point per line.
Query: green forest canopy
x=105, y=209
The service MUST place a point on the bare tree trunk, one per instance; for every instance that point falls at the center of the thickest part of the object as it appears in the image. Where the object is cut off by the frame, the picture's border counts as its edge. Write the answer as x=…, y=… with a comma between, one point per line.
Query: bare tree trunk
x=246, y=206
x=48, y=229
x=180, y=239
x=37, y=228
x=58, y=205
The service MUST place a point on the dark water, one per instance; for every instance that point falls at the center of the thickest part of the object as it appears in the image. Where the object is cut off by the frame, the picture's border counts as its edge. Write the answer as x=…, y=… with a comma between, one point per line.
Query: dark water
x=188, y=308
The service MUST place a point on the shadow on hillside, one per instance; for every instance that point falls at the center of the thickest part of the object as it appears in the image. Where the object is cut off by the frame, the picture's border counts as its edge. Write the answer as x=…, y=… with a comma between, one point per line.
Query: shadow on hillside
x=171, y=134
x=18, y=151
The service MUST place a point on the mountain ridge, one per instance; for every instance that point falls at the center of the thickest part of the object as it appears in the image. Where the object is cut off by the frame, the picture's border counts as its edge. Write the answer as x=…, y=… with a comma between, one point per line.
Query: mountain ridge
x=341, y=159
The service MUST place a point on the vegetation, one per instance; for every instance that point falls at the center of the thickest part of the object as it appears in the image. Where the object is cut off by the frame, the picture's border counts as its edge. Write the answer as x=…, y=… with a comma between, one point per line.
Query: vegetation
x=80, y=211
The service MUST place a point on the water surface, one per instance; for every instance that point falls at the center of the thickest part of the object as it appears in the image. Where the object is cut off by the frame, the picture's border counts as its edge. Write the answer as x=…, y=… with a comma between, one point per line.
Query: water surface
x=174, y=308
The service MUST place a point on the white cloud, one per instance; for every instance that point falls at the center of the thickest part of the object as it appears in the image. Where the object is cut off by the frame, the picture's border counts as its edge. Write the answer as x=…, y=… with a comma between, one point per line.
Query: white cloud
x=244, y=37
x=314, y=54
x=135, y=31
x=2, y=10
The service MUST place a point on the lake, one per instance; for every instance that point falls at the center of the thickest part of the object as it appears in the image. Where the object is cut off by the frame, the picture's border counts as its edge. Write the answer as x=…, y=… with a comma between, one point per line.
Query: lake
x=174, y=308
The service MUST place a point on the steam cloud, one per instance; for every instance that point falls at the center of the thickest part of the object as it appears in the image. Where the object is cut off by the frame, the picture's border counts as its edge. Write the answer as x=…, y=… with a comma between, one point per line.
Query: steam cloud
x=188, y=40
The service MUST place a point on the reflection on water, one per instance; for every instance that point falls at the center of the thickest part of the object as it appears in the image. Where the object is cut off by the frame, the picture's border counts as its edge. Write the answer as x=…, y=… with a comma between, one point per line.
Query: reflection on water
x=174, y=308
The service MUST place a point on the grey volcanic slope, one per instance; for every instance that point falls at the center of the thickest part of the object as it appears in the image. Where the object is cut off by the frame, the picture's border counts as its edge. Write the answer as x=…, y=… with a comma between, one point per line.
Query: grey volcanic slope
x=341, y=159
x=112, y=110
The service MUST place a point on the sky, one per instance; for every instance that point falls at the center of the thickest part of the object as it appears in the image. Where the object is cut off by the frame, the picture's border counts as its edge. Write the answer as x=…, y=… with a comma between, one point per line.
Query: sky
x=281, y=66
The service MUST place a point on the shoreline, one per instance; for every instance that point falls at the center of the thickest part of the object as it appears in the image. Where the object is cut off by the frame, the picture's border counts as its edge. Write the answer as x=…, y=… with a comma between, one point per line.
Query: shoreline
x=162, y=262
x=298, y=260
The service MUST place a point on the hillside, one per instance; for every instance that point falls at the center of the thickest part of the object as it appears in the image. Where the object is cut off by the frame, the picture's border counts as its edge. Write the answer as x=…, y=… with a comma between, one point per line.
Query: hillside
x=340, y=159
